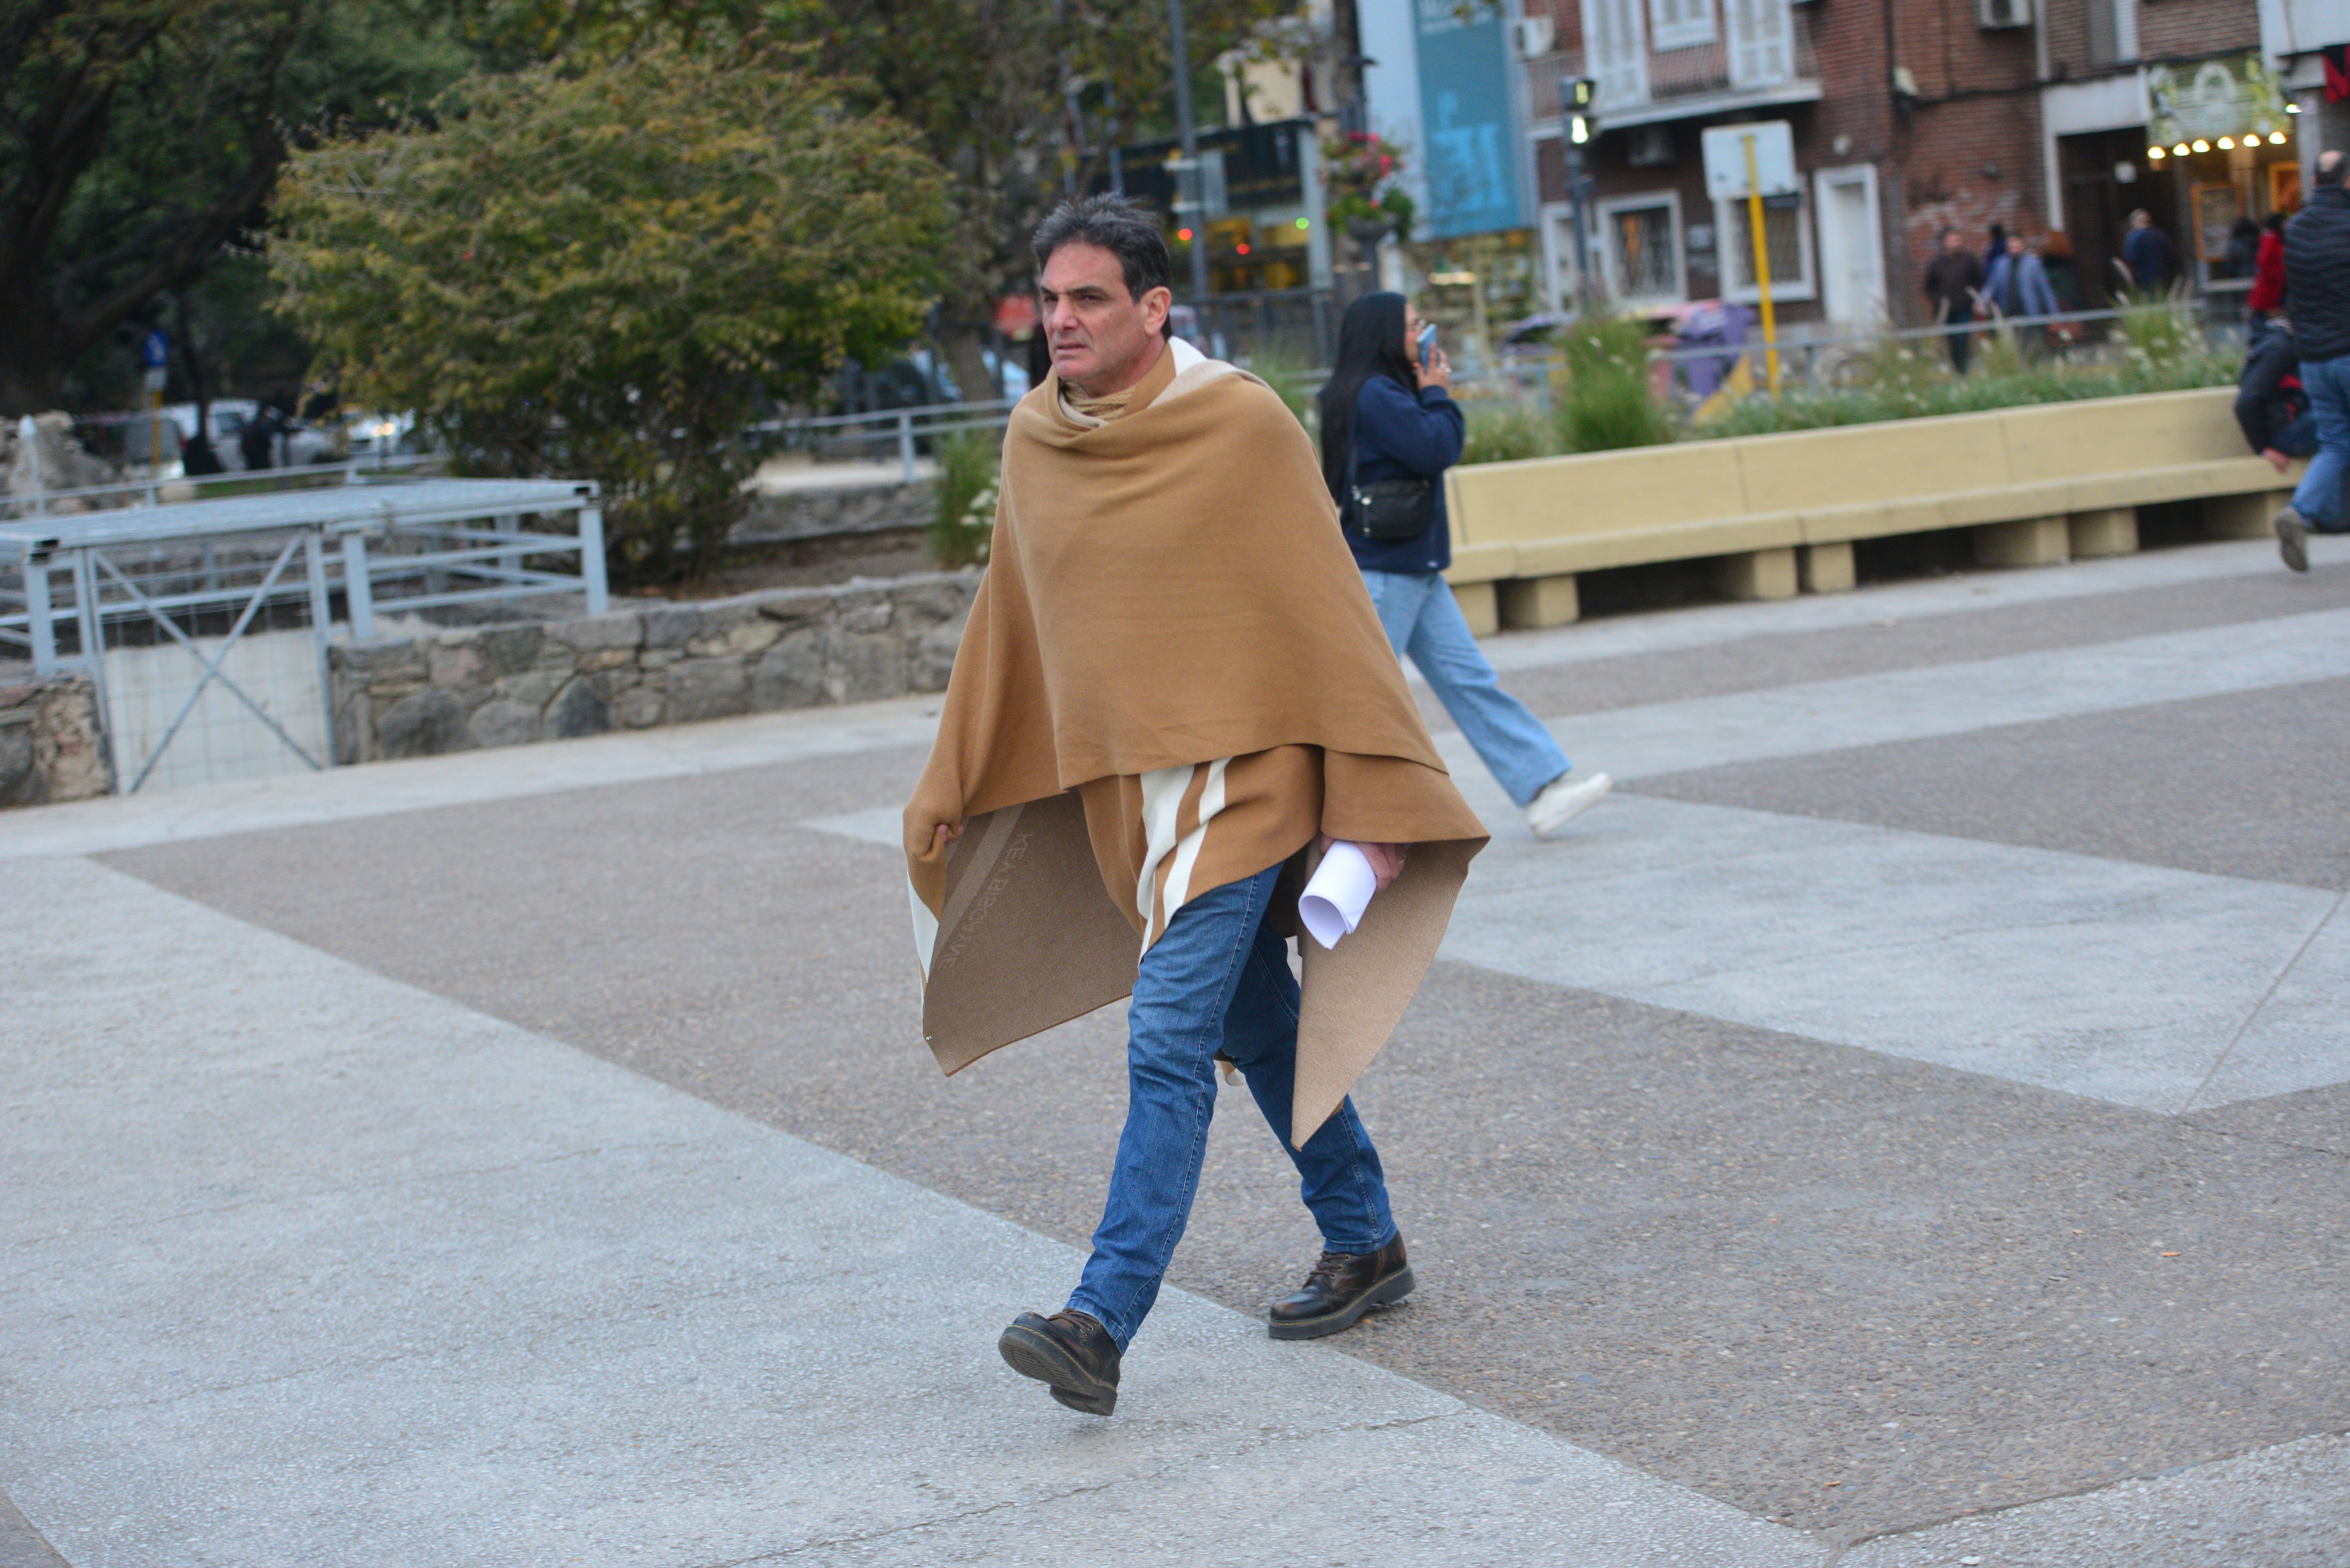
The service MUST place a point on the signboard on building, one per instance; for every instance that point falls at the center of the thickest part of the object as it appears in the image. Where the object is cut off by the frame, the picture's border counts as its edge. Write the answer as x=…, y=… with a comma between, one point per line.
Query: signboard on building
x=1470, y=157
x=2236, y=96
x=1775, y=160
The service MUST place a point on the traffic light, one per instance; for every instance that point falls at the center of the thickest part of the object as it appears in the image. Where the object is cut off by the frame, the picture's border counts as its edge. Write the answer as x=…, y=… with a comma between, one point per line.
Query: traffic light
x=1577, y=98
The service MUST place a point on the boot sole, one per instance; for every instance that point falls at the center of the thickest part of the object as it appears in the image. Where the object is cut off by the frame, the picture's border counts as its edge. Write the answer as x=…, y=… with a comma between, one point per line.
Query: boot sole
x=1387, y=1293
x=1037, y=1356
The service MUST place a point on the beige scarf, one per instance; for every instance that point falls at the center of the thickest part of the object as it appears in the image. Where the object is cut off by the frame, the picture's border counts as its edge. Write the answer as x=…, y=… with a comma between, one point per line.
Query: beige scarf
x=1168, y=587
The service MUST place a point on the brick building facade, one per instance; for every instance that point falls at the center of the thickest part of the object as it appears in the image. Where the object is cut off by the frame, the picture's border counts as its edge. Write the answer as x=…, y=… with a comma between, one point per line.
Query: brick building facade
x=2035, y=115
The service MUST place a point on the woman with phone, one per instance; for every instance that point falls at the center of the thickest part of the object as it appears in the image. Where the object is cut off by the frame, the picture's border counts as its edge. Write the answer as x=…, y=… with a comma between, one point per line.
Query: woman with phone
x=1390, y=430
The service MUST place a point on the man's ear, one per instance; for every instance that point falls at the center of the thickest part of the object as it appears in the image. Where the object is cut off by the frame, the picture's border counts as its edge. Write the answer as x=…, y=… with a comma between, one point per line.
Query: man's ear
x=1156, y=304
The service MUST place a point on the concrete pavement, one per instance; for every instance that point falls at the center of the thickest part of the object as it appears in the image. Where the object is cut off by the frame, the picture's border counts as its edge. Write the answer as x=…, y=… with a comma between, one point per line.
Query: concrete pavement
x=1891, y=1127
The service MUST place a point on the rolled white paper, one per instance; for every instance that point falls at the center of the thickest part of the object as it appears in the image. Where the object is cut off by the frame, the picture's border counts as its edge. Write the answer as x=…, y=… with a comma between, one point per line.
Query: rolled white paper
x=1338, y=893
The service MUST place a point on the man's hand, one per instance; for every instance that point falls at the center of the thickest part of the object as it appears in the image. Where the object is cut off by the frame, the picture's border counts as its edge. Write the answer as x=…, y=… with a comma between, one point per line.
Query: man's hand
x=2277, y=460
x=1387, y=860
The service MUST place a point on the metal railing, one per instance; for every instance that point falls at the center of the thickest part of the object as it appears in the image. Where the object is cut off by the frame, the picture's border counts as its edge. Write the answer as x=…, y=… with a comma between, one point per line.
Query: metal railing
x=903, y=431
x=149, y=491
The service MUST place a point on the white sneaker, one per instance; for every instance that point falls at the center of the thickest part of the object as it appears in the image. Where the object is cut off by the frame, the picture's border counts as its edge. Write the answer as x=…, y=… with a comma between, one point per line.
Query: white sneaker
x=1562, y=801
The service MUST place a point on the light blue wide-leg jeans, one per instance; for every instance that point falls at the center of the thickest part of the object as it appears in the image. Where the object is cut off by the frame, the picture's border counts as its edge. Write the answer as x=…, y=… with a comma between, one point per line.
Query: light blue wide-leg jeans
x=1421, y=619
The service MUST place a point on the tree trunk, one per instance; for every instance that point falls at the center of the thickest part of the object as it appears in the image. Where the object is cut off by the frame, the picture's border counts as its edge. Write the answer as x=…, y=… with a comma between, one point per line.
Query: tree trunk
x=959, y=341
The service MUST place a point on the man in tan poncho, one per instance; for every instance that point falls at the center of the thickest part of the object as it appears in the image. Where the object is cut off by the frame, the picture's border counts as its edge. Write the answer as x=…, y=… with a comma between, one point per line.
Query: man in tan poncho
x=1172, y=695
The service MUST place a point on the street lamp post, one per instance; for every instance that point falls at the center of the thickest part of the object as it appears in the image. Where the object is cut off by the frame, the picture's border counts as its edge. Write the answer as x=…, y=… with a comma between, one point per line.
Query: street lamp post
x=1191, y=188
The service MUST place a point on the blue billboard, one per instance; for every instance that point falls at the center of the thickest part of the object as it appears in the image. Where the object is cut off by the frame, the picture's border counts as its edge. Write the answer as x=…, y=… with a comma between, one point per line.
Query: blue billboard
x=1465, y=120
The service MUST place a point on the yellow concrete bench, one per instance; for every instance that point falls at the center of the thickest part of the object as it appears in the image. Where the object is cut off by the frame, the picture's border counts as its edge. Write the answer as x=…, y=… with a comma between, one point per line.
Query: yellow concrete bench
x=1778, y=512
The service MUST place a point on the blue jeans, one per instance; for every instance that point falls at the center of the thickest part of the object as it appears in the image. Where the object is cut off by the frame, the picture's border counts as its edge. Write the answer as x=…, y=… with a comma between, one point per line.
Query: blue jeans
x=2319, y=497
x=1421, y=619
x=1216, y=980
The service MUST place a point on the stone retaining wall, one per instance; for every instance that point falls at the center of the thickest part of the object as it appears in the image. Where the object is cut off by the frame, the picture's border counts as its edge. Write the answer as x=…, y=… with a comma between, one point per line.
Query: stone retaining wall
x=50, y=749
x=651, y=663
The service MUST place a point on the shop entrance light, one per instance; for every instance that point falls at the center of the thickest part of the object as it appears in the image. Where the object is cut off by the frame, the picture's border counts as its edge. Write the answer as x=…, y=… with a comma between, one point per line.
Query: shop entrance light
x=2276, y=139
x=2201, y=145
x=2155, y=155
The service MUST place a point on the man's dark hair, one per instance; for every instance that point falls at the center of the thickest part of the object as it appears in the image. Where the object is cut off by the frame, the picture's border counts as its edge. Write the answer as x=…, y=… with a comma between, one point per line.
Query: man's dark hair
x=1128, y=232
x=2331, y=165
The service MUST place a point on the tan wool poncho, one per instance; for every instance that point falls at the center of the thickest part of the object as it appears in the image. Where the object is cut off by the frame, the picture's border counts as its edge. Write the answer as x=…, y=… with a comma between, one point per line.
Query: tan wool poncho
x=1171, y=629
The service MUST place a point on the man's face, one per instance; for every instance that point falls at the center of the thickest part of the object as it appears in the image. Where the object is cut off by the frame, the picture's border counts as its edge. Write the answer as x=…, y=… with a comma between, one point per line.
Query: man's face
x=1102, y=339
x=2015, y=244
x=1950, y=241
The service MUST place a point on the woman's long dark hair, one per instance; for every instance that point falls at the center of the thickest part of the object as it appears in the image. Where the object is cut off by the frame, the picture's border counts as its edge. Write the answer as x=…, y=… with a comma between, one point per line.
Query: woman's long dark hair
x=1370, y=343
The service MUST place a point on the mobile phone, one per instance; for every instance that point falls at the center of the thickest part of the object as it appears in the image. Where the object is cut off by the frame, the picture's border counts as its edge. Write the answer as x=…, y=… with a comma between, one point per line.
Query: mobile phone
x=1427, y=345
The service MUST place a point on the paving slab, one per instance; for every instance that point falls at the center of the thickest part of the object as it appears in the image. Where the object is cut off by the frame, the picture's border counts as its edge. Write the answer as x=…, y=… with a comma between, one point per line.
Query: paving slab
x=1724, y=1256
x=2285, y=1507
x=2127, y=982
x=315, y=1267
x=2246, y=784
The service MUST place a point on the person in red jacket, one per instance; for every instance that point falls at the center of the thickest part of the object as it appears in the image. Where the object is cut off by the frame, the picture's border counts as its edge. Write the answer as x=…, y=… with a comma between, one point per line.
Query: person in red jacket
x=2267, y=276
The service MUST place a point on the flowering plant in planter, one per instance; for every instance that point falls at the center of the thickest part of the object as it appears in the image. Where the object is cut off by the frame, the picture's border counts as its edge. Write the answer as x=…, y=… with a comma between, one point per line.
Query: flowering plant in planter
x=1358, y=173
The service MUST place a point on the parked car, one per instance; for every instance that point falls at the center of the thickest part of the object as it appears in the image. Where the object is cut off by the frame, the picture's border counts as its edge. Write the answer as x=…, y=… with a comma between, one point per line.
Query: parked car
x=297, y=445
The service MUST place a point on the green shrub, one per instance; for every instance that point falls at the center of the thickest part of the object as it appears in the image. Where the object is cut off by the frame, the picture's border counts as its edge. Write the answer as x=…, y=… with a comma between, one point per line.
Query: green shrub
x=2161, y=329
x=2021, y=387
x=1604, y=400
x=1293, y=378
x=963, y=521
x=1504, y=433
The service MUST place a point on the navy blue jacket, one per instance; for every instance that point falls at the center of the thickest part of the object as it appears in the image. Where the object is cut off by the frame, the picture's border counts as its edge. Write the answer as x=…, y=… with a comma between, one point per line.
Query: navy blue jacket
x=2317, y=274
x=1400, y=434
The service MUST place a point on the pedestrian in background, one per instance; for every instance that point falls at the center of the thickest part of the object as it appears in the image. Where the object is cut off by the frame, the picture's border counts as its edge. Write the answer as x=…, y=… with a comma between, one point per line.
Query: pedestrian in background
x=2018, y=286
x=1952, y=280
x=2146, y=254
x=1389, y=420
x=2271, y=407
x=2266, y=297
x=2317, y=298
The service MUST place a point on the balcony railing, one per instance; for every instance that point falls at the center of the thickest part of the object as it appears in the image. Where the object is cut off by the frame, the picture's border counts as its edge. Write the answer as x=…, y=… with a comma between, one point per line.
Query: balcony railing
x=1722, y=71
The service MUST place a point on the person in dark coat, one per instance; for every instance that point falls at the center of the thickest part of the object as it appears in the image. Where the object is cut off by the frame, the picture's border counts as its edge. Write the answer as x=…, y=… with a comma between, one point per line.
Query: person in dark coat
x=2271, y=408
x=2267, y=294
x=1953, y=281
x=2243, y=247
x=257, y=442
x=2145, y=251
x=1387, y=416
x=2317, y=300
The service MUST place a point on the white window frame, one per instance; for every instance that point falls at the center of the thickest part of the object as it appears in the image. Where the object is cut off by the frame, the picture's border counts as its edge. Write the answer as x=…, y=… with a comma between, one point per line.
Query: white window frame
x=1616, y=52
x=1607, y=207
x=1760, y=34
x=1727, y=222
x=1682, y=23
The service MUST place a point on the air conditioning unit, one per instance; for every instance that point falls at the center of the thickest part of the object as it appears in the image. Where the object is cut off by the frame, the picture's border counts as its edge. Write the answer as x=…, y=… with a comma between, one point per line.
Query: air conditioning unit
x=2003, y=12
x=1534, y=37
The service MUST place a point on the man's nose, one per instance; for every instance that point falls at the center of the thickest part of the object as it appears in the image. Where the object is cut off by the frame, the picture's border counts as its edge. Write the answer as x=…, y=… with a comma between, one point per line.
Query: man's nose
x=1059, y=315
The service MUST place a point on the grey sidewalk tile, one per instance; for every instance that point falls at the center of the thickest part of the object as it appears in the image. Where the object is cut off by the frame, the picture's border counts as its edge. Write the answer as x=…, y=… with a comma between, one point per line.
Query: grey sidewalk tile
x=346, y=1274
x=2285, y=1507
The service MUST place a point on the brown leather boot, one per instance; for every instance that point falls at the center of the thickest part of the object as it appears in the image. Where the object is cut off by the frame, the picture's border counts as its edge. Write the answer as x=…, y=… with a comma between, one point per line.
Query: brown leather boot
x=1069, y=1353
x=1341, y=1289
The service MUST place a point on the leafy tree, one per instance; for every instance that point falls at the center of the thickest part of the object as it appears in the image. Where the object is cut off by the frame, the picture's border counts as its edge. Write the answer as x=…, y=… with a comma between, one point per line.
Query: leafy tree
x=138, y=135
x=607, y=273
x=982, y=84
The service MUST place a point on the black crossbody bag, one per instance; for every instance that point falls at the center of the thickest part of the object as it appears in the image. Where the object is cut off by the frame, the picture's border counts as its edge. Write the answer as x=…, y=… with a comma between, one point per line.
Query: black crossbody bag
x=1387, y=510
